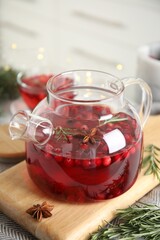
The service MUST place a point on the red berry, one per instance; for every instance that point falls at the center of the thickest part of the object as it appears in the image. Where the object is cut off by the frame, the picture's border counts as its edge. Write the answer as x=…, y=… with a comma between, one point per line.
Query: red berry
x=86, y=163
x=69, y=138
x=98, y=109
x=64, y=111
x=58, y=158
x=68, y=162
x=84, y=127
x=122, y=115
x=108, y=110
x=57, y=150
x=110, y=125
x=48, y=148
x=98, y=162
x=48, y=155
x=84, y=146
x=78, y=162
x=106, y=161
x=117, y=157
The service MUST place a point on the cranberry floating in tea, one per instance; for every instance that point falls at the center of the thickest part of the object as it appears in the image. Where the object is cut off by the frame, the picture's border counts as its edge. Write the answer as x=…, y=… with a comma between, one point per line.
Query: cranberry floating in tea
x=84, y=141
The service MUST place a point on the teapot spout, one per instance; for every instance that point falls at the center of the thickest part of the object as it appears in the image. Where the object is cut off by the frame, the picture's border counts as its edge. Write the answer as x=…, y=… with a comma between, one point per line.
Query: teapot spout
x=26, y=126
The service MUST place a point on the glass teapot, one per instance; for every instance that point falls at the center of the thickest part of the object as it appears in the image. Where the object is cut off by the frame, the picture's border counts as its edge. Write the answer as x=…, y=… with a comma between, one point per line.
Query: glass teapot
x=84, y=140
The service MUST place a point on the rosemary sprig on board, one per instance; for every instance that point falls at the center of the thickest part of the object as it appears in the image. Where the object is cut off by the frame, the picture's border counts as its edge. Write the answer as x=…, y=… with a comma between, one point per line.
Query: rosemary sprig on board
x=138, y=221
x=151, y=161
x=134, y=222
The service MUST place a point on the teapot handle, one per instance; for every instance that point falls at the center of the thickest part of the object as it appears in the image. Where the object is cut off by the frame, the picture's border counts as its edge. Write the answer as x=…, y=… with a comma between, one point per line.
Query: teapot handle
x=146, y=99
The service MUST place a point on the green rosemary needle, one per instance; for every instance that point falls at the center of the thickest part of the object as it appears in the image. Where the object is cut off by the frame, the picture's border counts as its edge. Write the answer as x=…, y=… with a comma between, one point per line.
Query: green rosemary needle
x=151, y=161
x=114, y=119
x=138, y=221
x=63, y=133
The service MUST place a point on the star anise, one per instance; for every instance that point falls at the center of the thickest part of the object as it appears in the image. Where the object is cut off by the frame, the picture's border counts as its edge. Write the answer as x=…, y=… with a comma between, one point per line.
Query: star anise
x=40, y=211
x=90, y=136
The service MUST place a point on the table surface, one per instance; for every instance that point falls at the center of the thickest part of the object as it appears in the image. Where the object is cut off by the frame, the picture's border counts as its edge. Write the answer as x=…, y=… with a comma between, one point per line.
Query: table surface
x=10, y=230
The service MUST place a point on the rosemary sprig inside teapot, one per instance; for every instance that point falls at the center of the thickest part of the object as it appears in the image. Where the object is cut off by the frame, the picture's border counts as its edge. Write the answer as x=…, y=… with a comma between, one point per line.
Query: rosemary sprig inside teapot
x=86, y=134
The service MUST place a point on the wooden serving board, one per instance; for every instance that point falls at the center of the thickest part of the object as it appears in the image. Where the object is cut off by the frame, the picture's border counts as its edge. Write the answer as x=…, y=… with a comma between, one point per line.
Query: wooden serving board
x=69, y=221
x=9, y=148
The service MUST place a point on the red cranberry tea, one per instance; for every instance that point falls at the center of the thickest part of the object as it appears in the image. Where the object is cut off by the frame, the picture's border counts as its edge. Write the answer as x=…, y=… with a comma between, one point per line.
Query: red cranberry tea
x=33, y=89
x=88, y=157
x=78, y=148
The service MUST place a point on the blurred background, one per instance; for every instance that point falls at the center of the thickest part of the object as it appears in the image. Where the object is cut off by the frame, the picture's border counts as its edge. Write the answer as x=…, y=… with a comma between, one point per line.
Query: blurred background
x=63, y=35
